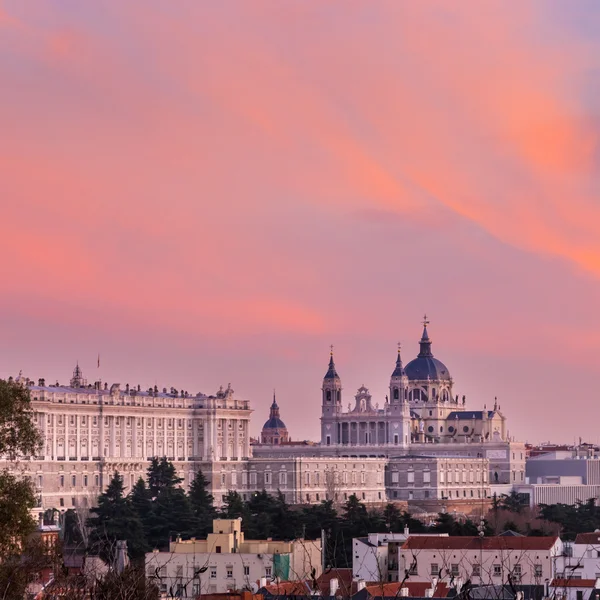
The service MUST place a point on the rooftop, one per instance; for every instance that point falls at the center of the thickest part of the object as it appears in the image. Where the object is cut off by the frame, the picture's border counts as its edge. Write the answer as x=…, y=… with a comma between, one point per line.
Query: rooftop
x=424, y=542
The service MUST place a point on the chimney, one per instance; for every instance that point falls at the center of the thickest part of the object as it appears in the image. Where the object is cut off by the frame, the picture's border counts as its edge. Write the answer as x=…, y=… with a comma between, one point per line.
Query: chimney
x=333, y=586
x=41, y=521
x=360, y=585
x=406, y=531
x=263, y=582
x=597, y=584
x=428, y=593
x=404, y=592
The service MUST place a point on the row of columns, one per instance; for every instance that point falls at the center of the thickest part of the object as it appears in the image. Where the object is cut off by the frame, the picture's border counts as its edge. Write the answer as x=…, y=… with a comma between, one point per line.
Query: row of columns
x=231, y=444
x=363, y=433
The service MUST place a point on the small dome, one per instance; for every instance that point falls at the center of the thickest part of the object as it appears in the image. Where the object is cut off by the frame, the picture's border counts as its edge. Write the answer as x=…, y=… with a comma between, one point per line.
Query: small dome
x=274, y=423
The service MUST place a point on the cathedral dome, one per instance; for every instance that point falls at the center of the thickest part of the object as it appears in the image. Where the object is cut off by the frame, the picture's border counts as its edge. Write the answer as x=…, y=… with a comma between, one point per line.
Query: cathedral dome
x=425, y=366
x=274, y=423
x=274, y=430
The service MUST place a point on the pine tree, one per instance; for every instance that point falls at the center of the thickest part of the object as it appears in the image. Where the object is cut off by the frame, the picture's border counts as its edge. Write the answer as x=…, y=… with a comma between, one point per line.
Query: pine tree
x=233, y=506
x=161, y=476
x=201, y=501
x=115, y=519
x=142, y=505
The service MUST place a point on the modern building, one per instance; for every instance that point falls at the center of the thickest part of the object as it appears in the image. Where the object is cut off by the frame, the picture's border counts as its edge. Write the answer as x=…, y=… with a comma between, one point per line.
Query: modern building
x=227, y=561
x=481, y=560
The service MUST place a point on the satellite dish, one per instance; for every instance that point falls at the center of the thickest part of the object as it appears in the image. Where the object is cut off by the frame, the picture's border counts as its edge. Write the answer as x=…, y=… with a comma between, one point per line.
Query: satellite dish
x=253, y=588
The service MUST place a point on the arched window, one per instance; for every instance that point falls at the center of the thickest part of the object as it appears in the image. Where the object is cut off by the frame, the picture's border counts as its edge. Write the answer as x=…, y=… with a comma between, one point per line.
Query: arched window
x=328, y=395
x=396, y=394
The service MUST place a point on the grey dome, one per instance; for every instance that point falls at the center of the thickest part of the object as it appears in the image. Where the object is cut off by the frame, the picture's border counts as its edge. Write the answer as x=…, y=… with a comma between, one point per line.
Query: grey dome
x=425, y=366
x=274, y=423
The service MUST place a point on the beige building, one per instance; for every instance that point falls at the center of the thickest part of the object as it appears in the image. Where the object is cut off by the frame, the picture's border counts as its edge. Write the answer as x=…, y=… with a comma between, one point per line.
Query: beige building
x=482, y=560
x=227, y=561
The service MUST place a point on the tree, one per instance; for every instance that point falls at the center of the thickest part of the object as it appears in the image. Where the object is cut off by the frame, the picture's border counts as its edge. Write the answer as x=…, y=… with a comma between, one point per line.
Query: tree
x=18, y=433
x=115, y=519
x=233, y=506
x=171, y=516
x=201, y=501
x=161, y=476
x=18, y=437
x=513, y=502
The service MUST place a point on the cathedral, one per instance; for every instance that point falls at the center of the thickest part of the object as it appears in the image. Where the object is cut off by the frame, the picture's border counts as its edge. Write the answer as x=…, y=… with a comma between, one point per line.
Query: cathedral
x=421, y=408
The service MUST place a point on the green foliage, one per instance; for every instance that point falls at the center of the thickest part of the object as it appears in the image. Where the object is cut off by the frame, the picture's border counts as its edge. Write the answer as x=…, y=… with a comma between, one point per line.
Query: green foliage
x=513, y=502
x=582, y=517
x=161, y=476
x=18, y=433
x=202, y=505
x=115, y=519
x=16, y=500
x=18, y=437
x=233, y=506
x=447, y=523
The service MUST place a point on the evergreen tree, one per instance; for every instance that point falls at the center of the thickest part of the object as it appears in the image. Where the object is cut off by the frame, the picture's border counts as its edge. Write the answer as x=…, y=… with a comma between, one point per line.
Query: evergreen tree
x=201, y=501
x=171, y=516
x=233, y=506
x=285, y=519
x=393, y=518
x=141, y=503
x=115, y=519
x=161, y=476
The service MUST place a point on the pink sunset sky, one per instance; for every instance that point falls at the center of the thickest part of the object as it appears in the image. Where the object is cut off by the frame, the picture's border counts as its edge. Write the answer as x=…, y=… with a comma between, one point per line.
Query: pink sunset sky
x=215, y=192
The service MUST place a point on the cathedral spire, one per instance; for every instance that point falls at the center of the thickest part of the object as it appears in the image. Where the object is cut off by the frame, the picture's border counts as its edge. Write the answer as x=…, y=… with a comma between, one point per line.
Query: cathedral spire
x=425, y=342
x=274, y=411
x=399, y=370
x=331, y=372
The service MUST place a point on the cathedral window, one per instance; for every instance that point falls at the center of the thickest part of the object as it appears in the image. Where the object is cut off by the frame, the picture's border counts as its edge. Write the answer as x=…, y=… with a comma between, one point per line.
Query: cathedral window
x=396, y=394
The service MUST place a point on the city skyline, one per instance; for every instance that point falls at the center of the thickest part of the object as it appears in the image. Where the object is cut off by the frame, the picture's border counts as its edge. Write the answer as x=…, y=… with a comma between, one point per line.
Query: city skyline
x=207, y=194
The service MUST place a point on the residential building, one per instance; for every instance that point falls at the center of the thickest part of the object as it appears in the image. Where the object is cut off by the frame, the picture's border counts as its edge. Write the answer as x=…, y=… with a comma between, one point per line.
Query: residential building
x=227, y=561
x=581, y=559
x=481, y=560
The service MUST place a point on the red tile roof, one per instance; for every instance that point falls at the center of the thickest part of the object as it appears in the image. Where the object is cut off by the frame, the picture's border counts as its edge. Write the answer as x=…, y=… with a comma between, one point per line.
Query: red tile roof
x=573, y=583
x=288, y=588
x=588, y=538
x=346, y=586
x=416, y=589
x=424, y=542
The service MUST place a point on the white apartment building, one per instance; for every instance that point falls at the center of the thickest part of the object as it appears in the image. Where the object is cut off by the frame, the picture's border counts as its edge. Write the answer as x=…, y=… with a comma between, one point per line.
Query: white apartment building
x=226, y=561
x=581, y=558
x=482, y=560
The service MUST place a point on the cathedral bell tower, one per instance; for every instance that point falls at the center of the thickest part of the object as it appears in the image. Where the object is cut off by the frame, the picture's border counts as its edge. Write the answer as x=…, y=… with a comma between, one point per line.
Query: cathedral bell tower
x=398, y=384
x=399, y=425
x=331, y=405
